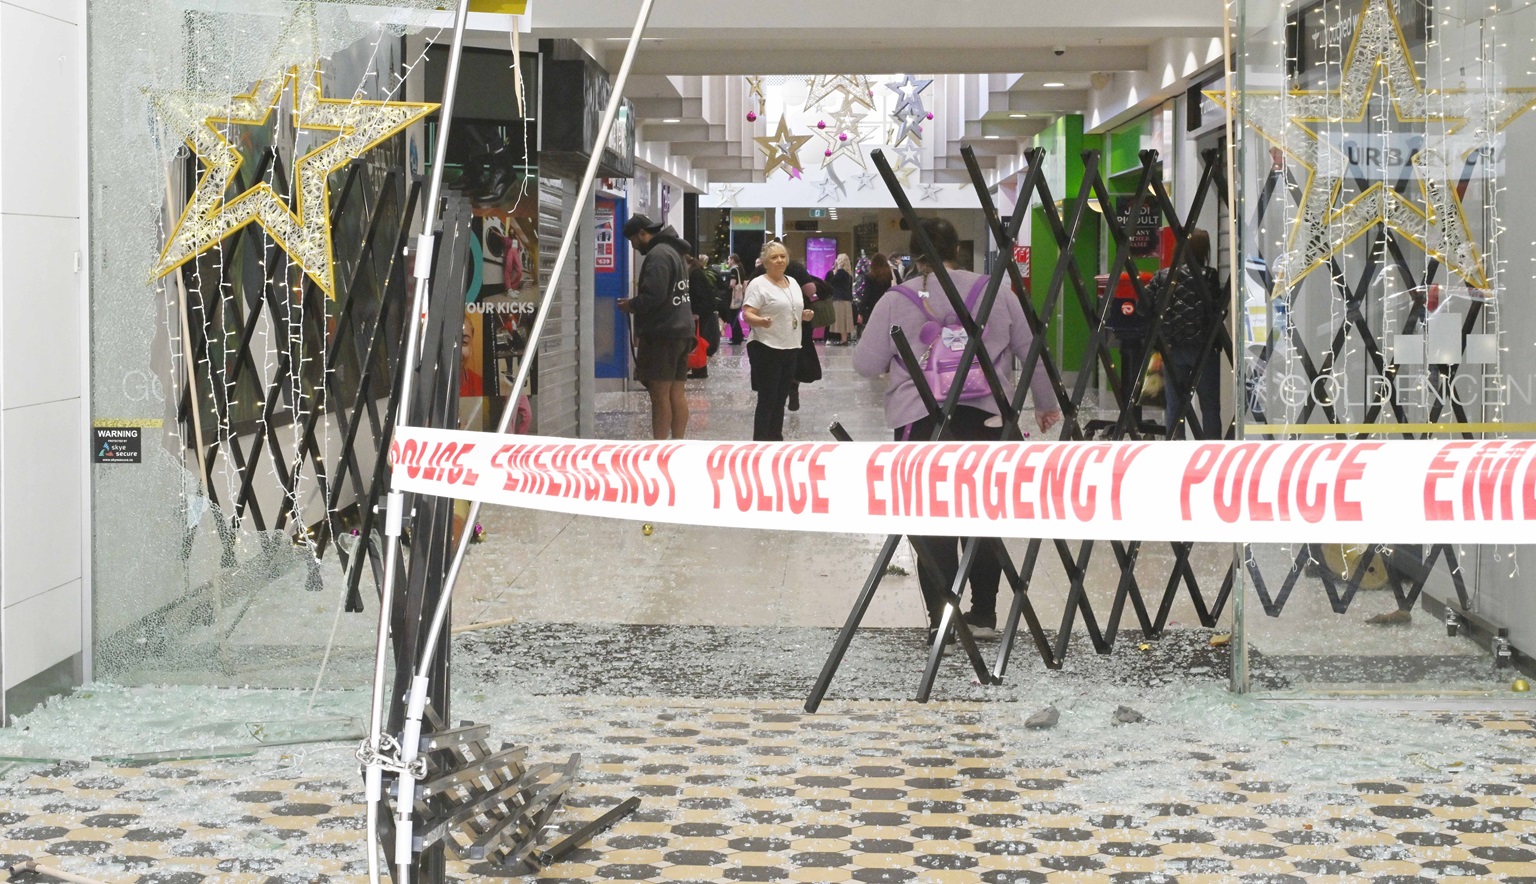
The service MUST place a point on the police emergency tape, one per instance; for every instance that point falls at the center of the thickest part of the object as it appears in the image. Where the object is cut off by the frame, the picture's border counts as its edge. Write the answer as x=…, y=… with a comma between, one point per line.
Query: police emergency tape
x=1259, y=492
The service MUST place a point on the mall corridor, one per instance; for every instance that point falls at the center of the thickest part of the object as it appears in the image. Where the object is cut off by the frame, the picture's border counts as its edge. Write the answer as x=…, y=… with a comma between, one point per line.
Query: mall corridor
x=676, y=663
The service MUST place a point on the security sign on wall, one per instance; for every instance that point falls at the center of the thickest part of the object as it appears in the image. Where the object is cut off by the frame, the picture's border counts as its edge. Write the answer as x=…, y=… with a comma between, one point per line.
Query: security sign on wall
x=116, y=444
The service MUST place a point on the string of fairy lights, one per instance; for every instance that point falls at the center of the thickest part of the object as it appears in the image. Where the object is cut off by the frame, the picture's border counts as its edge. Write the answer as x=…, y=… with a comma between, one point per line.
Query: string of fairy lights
x=1358, y=83
x=285, y=333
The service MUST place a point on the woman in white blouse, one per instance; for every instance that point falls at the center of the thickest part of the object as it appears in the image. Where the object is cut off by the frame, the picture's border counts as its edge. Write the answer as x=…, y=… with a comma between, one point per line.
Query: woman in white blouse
x=774, y=309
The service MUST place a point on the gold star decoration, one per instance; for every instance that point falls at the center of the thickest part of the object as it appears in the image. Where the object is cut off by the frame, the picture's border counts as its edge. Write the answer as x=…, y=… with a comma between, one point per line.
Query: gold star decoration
x=1467, y=123
x=755, y=90
x=304, y=230
x=782, y=149
x=854, y=87
x=844, y=136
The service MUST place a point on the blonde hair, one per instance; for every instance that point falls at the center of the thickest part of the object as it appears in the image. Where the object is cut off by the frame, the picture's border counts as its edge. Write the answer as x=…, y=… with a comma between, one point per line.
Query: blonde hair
x=843, y=263
x=770, y=246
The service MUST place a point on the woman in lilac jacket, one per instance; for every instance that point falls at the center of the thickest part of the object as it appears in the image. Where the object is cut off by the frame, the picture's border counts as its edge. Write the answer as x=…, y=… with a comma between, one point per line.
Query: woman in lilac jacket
x=1005, y=336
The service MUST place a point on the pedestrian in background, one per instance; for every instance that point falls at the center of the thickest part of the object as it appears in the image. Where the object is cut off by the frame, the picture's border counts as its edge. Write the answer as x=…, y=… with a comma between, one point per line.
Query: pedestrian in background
x=841, y=281
x=925, y=315
x=774, y=308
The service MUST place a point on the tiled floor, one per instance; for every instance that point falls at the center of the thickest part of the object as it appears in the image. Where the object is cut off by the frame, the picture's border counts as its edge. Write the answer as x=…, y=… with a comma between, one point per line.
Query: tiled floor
x=876, y=791
x=677, y=664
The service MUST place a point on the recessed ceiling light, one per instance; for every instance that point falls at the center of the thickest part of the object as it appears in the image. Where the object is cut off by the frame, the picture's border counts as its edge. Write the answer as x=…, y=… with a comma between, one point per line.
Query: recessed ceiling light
x=991, y=137
x=672, y=120
x=1018, y=116
x=1054, y=85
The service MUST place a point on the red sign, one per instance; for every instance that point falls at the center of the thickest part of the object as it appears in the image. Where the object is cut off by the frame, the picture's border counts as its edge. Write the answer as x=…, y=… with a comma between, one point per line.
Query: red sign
x=1021, y=257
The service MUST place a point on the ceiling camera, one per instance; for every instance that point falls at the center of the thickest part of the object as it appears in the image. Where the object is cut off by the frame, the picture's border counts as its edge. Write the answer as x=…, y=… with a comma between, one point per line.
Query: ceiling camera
x=1059, y=50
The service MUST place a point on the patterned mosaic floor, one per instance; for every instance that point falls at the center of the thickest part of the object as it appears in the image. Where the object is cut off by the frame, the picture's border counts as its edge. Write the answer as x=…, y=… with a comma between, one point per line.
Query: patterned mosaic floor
x=1207, y=788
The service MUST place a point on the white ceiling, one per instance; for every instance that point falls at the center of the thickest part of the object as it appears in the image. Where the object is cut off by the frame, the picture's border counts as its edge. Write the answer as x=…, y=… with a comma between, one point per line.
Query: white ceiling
x=1104, y=52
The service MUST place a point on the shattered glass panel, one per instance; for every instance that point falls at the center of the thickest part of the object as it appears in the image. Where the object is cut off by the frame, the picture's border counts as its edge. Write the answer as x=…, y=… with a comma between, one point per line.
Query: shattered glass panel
x=217, y=559
x=1382, y=275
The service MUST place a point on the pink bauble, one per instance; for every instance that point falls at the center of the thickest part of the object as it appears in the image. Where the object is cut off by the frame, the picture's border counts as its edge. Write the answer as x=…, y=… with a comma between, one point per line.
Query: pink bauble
x=751, y=116
x=930, y=116
x=842, y=136
x=821, y=124
x=829, y=151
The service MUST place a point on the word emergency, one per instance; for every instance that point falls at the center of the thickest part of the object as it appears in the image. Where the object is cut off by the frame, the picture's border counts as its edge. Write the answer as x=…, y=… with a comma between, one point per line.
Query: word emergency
x=997, y=481
x=607, y=472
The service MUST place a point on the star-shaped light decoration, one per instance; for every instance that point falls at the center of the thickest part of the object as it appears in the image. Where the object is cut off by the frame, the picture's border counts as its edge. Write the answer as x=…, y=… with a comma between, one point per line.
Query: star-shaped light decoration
x=755, y=90
x=831, y=186
x=854, y=87
x=303, y=231
x=910, y=155
x=848, y=118
x=909, y=113
x=909, y=126
x=782, y=149
x=1438, y=226
x=844, y=137
x=909, y=95
x=727, y=194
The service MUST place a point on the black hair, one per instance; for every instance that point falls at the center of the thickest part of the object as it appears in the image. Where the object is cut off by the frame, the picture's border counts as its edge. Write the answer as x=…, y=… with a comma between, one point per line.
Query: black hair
x=946, y=242
x=1200, y=247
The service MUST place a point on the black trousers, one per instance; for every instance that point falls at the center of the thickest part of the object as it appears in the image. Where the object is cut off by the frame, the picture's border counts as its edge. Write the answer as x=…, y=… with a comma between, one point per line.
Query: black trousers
x=1186, y=360
x=773, y=376
x=939, y=557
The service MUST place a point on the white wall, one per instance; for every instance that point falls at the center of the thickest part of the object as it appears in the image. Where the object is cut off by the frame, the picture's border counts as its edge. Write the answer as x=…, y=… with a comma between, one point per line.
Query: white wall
x=44, y=547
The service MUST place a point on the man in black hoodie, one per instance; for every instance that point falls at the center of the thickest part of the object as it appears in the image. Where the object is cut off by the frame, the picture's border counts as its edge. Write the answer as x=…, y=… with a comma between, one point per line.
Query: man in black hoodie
x=664, y=334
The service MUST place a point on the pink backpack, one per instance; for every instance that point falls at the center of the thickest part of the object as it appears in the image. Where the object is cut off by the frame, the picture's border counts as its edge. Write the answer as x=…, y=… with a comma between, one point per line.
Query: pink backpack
x=945, y=339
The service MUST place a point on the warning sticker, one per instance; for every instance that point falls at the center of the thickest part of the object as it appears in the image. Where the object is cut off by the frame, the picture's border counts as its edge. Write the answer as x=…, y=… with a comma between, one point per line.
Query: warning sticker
x=116, y=444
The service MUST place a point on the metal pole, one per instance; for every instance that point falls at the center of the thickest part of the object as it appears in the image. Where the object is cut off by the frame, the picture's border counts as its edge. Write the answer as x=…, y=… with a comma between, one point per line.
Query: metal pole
x=566, y=245
x=395, y=502
x=1238, y=679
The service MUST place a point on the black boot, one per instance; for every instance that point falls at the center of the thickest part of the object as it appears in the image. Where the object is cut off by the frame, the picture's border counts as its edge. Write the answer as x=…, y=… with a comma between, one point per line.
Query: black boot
x=794, y=398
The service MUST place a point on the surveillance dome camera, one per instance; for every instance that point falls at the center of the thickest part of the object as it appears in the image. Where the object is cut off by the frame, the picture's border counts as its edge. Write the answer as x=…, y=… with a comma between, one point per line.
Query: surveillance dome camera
x=1059, y=50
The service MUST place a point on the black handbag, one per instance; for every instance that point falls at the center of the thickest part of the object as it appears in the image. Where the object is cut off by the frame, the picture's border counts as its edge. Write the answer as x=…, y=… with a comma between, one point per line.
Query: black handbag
x=808, y=364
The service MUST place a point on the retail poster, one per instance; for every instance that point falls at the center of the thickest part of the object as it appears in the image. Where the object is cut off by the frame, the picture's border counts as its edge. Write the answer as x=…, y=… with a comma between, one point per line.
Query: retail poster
x=605, y=238
x=820, y=255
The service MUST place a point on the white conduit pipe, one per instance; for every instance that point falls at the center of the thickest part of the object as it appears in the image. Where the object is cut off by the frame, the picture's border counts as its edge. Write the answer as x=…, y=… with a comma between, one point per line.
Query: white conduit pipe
x=566, y=245
x=393, y=517
x=31, y=865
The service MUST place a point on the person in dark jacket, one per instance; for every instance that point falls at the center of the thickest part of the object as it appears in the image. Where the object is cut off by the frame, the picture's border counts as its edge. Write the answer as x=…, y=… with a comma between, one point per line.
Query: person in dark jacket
x=663, y=315
x=841, y=281
x=701, y=294
x=877, y=282
x=1188, y=319
x=730, y=305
